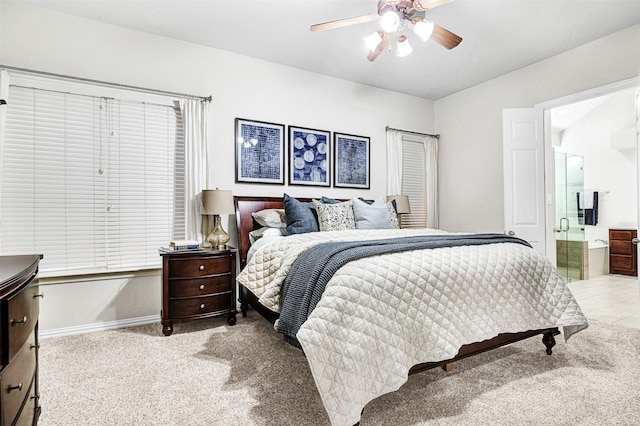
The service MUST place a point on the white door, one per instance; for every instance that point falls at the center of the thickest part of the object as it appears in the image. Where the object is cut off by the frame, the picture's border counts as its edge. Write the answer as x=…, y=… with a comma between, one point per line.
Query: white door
x=523, y=151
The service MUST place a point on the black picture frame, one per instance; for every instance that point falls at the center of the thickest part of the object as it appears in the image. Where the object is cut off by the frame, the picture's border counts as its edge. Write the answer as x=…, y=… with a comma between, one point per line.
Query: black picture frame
x=309, y=156
x=352, y=161
x=260, y=152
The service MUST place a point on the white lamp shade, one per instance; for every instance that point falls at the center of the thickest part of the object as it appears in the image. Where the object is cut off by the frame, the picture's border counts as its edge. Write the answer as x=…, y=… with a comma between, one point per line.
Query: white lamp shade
x=217, y=201
x=390, y=21
x=404, y=48
x=402, y=203
x=423, y=29
x=372, y=40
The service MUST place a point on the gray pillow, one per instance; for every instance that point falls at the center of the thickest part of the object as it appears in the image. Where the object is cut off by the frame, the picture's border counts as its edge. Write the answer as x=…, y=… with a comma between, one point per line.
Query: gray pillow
x=300, y=217
x=372, y=216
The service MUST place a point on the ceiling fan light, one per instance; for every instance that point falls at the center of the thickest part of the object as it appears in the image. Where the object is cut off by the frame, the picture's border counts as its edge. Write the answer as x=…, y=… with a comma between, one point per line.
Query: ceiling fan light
x=390, y=21
x=403, y=47
x=423, y=29
x=373, y=40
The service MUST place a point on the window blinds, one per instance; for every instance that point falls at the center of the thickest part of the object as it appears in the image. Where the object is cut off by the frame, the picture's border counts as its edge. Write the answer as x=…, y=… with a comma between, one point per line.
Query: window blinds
x=414, y=182
x=95, y=184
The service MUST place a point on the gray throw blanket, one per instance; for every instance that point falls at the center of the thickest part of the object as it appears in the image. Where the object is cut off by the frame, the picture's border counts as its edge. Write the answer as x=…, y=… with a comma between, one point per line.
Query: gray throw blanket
x=310, y=273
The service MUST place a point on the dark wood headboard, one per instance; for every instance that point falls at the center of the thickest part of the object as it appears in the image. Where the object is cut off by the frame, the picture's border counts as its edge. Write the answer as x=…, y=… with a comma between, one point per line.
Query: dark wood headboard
x=245, y=222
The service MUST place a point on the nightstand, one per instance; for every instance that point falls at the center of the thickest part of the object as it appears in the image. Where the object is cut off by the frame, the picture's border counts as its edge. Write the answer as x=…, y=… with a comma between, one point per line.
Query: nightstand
x=197, y=285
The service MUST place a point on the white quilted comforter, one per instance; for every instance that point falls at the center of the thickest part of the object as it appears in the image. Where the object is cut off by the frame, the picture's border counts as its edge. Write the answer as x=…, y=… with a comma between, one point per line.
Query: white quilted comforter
x=381, y=315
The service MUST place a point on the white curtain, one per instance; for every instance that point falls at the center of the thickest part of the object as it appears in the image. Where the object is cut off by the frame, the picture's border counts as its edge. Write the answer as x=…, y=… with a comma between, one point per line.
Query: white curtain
x=394, y=162
x=4, y=95
x=431, y=150
x=194, y=115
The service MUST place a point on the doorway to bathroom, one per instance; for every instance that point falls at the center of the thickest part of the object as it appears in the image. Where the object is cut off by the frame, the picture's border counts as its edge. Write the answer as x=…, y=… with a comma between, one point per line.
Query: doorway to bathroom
x=596, y=180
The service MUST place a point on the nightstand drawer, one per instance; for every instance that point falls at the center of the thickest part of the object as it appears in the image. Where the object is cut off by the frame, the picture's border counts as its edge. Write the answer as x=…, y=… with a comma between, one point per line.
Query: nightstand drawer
x=200, y=305
x=200, y=287
x=192, y=268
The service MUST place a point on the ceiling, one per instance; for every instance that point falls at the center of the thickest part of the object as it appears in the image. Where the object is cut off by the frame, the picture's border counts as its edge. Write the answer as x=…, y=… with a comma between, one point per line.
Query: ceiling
x=499, y=36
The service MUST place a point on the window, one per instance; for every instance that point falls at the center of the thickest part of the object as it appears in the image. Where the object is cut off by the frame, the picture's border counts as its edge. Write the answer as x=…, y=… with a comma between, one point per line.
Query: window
x=412, y=166
x=94, y=183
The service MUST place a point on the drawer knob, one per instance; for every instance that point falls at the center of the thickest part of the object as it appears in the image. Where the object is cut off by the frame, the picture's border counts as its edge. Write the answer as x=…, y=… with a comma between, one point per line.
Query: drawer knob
x=201, y=286
x=17, y=387
x=201, y=267
x=22, y=321
x=40, y=295
x=202, y=306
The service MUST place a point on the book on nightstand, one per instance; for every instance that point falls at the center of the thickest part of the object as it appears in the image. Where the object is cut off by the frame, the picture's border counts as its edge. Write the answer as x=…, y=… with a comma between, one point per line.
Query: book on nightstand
x=180, y=245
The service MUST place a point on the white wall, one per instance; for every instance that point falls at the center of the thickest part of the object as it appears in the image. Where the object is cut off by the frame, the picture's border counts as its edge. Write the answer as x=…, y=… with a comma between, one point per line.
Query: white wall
x=243, y=87
x=611, y=172
x=470, y=123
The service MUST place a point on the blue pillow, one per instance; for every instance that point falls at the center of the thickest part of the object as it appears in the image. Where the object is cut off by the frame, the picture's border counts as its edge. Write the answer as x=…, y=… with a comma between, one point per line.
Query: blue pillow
x=327, y=200
x=300, y=217
x=372, y=216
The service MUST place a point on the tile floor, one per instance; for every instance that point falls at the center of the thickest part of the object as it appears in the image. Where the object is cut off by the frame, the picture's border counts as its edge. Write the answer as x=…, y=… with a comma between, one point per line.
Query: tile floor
x=609, y=298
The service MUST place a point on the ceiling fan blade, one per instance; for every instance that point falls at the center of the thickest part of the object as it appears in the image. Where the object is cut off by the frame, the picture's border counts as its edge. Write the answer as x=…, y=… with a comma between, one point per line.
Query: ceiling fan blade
x=445, y=37
x=344, y=22
x=380, y=47
x=421, y=5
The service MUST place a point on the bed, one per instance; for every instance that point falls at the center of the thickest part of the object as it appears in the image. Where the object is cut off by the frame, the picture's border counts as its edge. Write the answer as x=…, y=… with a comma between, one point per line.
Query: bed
x=339, y=366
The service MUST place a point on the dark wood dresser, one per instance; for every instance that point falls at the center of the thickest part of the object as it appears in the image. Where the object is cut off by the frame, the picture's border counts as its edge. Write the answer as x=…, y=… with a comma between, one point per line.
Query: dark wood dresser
x=623, y=258
x=196, y=285
x=19, y=309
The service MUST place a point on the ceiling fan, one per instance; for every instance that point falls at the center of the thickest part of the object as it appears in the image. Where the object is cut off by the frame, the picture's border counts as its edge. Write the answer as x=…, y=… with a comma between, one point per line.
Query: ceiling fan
x=394, y=15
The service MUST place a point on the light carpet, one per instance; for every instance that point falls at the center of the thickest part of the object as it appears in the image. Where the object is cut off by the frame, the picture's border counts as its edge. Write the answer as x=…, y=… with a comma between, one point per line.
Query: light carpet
x=210, y=373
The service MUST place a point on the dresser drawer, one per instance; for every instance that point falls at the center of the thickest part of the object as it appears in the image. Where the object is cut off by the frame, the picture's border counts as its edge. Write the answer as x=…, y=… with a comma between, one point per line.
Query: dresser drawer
x=200, y=287
x=621, y=263
x=16, y=381
x=28, y=413
x=200, y=305
x=22, y=311
x=626, y=235
x=620, y=247
x=194, y=267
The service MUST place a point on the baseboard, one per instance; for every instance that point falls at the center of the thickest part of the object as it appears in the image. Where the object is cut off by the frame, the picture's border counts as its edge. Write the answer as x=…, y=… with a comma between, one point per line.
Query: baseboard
x=98, y=326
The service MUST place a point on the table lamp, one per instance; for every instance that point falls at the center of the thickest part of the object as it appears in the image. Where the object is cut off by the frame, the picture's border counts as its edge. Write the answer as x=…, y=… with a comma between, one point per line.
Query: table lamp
x=402, y=205
x=216, y=202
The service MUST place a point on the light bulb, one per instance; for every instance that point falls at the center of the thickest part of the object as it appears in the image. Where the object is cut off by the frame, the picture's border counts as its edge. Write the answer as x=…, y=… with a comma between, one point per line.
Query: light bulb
x=372, y=40
x=423, y=29
x=390, y=21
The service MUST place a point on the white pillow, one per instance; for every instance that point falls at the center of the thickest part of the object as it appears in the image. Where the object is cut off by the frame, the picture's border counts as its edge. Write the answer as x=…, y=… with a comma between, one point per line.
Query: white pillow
x=372, y=216
x=272, y=218
x=266, y=232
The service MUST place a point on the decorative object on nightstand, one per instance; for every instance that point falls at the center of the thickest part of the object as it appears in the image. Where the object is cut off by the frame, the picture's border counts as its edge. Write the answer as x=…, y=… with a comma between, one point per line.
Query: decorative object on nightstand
x=402, y=205
x=216, y=202
x=197, y=285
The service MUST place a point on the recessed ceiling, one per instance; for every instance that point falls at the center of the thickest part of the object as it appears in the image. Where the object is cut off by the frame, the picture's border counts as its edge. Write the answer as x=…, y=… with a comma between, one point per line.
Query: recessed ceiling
x=499, y=36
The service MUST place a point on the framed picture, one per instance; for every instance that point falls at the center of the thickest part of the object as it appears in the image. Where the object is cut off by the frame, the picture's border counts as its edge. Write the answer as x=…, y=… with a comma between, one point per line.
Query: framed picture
x=309, y=157
x=259, y=152
x=351, y=161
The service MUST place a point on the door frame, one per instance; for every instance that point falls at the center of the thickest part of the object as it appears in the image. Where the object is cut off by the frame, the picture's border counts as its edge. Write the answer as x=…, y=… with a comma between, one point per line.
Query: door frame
x=549, y=163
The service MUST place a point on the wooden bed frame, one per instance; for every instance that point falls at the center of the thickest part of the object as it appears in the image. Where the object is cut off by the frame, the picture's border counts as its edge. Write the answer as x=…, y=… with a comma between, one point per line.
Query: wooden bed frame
x=245, y=223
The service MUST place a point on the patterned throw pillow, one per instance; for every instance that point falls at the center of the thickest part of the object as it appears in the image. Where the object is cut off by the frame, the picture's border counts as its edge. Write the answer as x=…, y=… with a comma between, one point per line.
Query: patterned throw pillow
x=395, y=223
x=335, y=217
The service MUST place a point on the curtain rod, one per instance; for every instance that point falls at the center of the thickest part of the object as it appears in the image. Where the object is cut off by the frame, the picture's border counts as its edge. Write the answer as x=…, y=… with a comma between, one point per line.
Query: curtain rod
x=413, y=133
x=106, y=83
